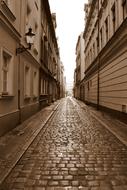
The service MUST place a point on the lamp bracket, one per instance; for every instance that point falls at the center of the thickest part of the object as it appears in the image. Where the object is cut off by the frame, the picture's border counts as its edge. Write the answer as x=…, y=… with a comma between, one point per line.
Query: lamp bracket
x=22, y=49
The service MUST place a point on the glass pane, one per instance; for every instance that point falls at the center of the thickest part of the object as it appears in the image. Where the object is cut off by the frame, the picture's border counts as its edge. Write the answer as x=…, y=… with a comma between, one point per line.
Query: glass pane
x=4, y=81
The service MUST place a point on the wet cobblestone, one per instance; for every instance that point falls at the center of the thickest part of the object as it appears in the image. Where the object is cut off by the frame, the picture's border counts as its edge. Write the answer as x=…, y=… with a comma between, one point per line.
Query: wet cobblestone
x=75, y=152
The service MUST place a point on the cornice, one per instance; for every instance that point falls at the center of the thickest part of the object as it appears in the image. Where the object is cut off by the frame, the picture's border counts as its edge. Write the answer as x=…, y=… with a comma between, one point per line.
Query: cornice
x=7, y=11
x=28, y=55
x=4, y=21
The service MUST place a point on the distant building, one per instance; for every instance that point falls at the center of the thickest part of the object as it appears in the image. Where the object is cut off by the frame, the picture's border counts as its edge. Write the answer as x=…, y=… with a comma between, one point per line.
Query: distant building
x=69, y=89
x=50, y=59
x=80, y=68
x=62, y=81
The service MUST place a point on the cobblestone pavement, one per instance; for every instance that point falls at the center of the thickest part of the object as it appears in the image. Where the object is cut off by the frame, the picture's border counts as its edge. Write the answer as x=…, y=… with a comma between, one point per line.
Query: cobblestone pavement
x=74, y=152
x=14, y=143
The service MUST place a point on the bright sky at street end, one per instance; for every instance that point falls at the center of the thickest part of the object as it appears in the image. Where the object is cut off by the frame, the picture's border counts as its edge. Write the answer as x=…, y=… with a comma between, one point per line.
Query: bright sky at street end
x=70, y=23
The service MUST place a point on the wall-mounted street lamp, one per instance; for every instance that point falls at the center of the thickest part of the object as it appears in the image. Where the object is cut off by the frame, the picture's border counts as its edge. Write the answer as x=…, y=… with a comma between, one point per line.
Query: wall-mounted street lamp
x=29, y=39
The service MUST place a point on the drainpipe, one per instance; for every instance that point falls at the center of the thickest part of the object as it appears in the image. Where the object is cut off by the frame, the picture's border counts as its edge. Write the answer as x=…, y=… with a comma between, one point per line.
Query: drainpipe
x=19, y=90
x=19, y=69
x=98, y=64
x=39, y=91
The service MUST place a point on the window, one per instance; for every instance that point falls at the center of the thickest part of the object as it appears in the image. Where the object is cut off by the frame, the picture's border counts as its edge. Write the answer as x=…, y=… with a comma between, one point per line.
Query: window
x=88, y=87
x=36, y=39
x=36, y=5
x=101, y=38
x=41, y=86
x=93, y=50
x=28, y=12
x=42, y=49
x=124, y=6
x=90, y=83
x=45, y=52
x=7, y=73
x=97, y=44
x=113, y=17
x=106, y=29
x=36, y=27
x=27, y=82
x=35, y=84
x=44, y=86
x=90, y=56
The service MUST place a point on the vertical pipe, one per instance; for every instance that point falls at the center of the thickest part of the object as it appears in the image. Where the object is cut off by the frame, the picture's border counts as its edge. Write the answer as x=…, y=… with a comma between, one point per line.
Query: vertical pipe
x=98, y=64
x=19, y=90
x=39, y=90
x=19, y=69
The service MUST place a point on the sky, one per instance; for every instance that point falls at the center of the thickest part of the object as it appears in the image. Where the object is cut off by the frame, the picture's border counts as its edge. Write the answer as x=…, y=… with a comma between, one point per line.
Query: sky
x=70, y=23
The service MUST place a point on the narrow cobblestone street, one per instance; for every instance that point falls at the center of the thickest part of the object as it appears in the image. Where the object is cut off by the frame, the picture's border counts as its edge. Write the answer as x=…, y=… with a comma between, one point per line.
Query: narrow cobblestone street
x=73, y=151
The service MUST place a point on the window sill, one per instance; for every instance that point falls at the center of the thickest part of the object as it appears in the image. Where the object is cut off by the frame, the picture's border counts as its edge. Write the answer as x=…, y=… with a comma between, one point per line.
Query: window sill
x=8, y=11
x=43, y=94
x=6, y=96
x=26, y=97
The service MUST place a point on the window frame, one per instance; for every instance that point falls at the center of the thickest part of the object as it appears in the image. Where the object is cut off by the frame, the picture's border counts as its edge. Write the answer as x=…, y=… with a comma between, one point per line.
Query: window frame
x=9, y=68
x=124, y=8
x=106, y=29
x=35, y=83
x=27, y=82
x=113, y=11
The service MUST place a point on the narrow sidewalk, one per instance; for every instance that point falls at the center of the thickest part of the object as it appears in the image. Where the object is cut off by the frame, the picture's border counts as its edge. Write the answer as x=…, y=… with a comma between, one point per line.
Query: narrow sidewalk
x=15, y=143
x=115, y=126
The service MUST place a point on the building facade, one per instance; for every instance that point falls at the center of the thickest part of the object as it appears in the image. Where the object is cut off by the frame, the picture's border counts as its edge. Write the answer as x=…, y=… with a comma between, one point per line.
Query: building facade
x=29, y=61
x=62, y=81
x=29, y=79
x=9, y=64
x=105, y=38
x=50, y=59
x=80, y=68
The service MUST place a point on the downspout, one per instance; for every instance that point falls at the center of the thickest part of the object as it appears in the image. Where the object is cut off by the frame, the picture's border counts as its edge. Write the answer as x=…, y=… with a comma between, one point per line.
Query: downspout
x=39, y=91
x=19, y=90
x=98, y=64
x=19, y=63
